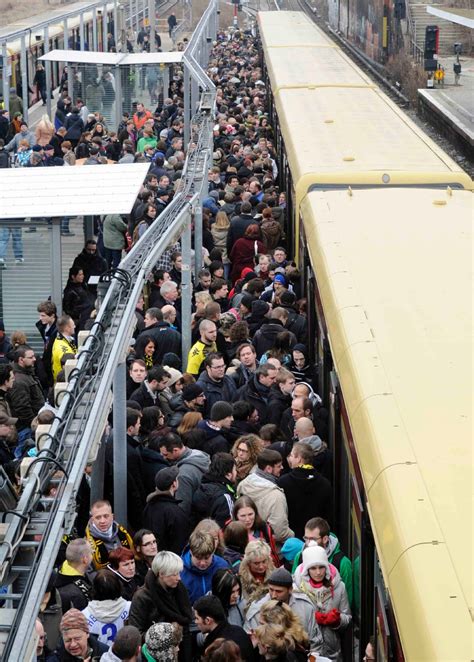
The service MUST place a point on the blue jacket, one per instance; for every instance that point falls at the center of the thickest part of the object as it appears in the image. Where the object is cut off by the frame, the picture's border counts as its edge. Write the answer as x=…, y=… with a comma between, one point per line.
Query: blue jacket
x=198, y=582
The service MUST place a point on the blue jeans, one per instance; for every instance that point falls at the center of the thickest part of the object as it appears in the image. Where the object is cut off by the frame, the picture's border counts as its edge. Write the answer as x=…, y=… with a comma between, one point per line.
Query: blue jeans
x=113, y=257
x=16, y=239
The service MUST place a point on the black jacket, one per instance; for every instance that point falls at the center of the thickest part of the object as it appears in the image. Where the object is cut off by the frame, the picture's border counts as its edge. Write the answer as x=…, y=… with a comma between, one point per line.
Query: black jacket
x=214, y=499
x=297, y=324
x=216, y=441
x=91, y=265
x=216, y=391
x=233, y=633
x=256, y=395
x=168, y=521
x=166, y=340
x=277, y=404
x=78, y=302
x=26, y=397
x=264, y=338
x=136, y=496
x=152, y=462
x=237, y=228
x=75, y=591
x=143, y=397
x=308, y=494
x=179, y=409
x=74, y=127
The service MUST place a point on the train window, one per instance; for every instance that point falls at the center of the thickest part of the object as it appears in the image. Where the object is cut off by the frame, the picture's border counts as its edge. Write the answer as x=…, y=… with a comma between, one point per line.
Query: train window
x=344, y=497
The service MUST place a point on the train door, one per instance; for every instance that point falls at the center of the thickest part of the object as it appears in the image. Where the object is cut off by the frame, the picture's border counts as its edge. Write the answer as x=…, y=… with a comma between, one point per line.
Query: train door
x=388, y=644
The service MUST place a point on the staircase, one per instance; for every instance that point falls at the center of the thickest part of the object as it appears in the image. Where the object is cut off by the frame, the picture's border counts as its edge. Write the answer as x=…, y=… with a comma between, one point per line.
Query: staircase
x=449, y=33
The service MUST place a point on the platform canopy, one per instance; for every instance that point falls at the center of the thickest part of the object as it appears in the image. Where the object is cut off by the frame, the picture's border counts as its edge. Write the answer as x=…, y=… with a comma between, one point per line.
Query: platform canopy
x=70, y=190
x=111, y=59
x=454, y=15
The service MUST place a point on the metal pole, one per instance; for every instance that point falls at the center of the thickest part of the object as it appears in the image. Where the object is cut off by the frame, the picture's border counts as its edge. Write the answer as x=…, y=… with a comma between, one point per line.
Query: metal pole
x=187, y=117
x=56, y=261
x=116, y=31
x=186, y=290
x=120, y=444
x=49, y=88
x=24, y=77
x=104, y=29
x=94, y=30
x=197, y=238
x=81, y=32
x=194, y=96
x=98, y=473
x=118, y=95
x=152, y=17
x=5, y=78
x=66, y=48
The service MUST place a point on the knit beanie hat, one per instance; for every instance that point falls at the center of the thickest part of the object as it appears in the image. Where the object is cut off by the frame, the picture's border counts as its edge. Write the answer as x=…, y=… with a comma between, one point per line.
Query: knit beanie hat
x=175, y=375
x=220, y=410
x=247, y=301
x=192, y=391
x=291, y=548
x=160, y=641
x=315, y=555
x=279, y=278
x=74, y=620
x=280, y=577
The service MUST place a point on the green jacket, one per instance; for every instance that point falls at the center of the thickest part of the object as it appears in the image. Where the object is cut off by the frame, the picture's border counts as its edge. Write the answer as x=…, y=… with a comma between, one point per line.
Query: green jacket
x=337, y=559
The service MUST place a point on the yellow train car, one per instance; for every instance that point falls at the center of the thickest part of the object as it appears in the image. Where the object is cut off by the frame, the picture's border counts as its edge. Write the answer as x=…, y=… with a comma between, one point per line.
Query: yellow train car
x=392, y=291
x=335, y=127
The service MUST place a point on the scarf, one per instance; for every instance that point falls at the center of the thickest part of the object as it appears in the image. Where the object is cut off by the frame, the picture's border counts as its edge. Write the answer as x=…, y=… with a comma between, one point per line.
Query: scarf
x=174, y=605
x=263, y=474
x=109, y=538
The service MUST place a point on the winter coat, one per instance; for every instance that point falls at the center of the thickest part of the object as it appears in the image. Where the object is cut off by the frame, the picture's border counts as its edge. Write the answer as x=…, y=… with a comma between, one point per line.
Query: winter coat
x=324, y=600
x=242, y=255
x=258, y=396
x=265, y=337
x=167, y=520
x=308, y=494
x=152, y=462
x=199, y=582
x=75, y=589
x=114, y=229
x=106, y=618
x=215, y=442
x=153, y=603
x=270, y=501
x=15, y=141
x=91, y=265
x=237, y=228
x=166, y=340
x=129, y=586
x=223, y=390
x=337, y=558
x=234, y=633
x=26, y=397
x=143, y=396
x=179, y=409
x=297, y=324
x=192, y=465
x=302, y=606
x=253, y=590
x=215, y=499
x=44, y=132
x=74, y=127
x=278, y=402
x=220, y=241
x=78, y=302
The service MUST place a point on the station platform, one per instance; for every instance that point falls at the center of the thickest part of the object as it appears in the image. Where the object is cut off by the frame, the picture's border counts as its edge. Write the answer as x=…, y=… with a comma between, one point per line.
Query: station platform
x=454, y=103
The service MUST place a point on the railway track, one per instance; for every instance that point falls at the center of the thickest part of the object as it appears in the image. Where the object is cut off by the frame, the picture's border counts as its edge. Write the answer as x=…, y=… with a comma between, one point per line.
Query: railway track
x=458, y=151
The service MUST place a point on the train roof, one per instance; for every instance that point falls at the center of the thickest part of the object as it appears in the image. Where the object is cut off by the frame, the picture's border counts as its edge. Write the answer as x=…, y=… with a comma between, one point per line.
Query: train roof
x=394, y=274
x=337, y=126
x=281, y=29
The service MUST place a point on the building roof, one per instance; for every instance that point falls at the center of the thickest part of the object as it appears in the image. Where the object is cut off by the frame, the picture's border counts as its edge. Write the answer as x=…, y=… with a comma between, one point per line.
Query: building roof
x=93, y=57
x=70, y=191
x=455, y=15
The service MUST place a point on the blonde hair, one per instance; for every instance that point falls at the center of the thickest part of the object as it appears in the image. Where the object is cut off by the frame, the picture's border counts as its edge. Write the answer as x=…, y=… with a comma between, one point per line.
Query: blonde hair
x=275, y=639
x=201, y=544
x=275, y=612
x=210, y=526
x=257, y=548
x=189, y=422
x=222, y=221
x=203, y=297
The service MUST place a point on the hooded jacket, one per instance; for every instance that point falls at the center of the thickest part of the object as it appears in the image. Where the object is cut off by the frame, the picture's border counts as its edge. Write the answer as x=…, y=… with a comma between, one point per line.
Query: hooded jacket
x=257, y=395
x=278, y=402
x=166, y=340
x=214, y=499
x=106, y=618
x=223, y=390
x=199, y=582
x=264, y=338
x=167, y=520
x=302, y=606
x=324, y=600
x=192, y=465
x=308, y=494
x=270, y=501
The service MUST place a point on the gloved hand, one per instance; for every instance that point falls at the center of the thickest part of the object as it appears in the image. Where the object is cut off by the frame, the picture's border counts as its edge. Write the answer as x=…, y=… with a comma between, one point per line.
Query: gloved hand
x=321, y=618
x=333, y=618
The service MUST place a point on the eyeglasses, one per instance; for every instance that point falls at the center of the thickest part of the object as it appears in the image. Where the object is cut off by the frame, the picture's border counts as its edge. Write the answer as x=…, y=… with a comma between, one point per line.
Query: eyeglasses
x=311, y=539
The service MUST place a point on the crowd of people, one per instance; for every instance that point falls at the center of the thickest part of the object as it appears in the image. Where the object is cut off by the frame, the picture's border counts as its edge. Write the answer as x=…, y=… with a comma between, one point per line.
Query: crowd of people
x=228, y=553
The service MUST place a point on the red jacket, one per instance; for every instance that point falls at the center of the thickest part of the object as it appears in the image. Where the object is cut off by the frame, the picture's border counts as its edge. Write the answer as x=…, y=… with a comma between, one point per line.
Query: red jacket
x=242, y=255
x=140, y=121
